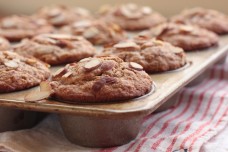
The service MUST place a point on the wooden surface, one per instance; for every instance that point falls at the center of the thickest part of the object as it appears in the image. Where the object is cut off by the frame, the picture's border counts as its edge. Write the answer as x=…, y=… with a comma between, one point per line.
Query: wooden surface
x=167, y=84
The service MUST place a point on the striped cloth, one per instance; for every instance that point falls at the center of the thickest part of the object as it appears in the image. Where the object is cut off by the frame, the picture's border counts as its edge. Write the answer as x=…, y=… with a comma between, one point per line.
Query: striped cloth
x=200, y=114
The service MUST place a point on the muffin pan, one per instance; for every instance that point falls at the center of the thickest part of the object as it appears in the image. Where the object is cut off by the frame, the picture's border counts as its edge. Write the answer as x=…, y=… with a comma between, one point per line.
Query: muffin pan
x=112, y=124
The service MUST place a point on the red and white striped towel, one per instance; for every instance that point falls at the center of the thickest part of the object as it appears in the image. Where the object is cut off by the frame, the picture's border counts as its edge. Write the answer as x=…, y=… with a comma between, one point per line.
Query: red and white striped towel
x=200, y=114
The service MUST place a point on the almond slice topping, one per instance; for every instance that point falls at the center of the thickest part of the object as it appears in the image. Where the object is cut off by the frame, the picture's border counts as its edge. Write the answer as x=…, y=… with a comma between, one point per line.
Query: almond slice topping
x=146, y=10
x=45, y=86
x=36, y=96
x=82, y=11
x=186, y=28
x=177, y=50
x=11, y=64
x=59, y=36
x=59, y=71
x=54, y=12
x=91, y=32
x=85, y=60
x=136, y=66
x=129, y=44
x=158, y=42
x=8, y=23
x=31, y=61
x=67, y=74
x=92, y=64
x=82, y=24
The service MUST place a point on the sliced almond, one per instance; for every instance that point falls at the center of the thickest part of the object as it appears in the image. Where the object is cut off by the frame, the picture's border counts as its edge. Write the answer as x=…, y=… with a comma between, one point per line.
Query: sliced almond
x=1, y=41
x=54, y=12
x=158, y=42
x=8, y=23
x=67, y=74
x=58, y=19
x=91, y=32
x=85, y=60
x=11, y=64
x=186, y=28
x=45, y=86
x=177, y=50
x=37, y=96
x=92, y=64
x=135, y=66
x=17, y=60
x=131, y=14
x=9, y=53
x=104, y=9
x=128, y=44
x=146, y=10
x=82, y=11
x=41, y=22
x=59, y=72
x=58, y=36
x=82, y=24
x=131, y=6
x=31, y=61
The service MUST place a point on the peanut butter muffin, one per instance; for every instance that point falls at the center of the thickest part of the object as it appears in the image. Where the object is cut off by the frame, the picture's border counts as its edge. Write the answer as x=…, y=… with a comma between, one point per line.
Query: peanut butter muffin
x=131, y=17
x=188, y=37
x=206, y=18
x=101, y=79
x=4, y=44
x=19, y=73
x=97, y=32
x=56, y=49
x=15, y=28
x=153, y=55
x=60, y=15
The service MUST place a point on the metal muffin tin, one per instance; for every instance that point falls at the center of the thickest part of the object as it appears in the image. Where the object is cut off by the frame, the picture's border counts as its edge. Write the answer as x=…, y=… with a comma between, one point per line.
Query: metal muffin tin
x=112, y=124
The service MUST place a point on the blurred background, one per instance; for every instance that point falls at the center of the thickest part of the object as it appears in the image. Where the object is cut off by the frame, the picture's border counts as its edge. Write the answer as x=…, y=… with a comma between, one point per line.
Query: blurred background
x=166, y=7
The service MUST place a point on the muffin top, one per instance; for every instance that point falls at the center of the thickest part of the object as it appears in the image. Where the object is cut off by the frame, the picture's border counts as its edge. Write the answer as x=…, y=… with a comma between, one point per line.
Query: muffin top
x=56, y=48
x=188, y=37
x=131, y=16
x=59, y=15
x=206, y=18
x=154, y=55
x=19, y=73
x=96, y=31
x=4, y=44
x=100, y=79
x=15, y=28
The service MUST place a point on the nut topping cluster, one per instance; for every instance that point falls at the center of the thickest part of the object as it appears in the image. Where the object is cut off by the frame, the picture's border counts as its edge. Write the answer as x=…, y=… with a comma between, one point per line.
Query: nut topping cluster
x=132, y=11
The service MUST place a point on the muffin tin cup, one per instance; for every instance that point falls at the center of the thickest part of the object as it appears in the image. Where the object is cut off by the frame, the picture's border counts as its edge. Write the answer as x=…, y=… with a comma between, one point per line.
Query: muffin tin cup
x=14, y=119
x=99, y=132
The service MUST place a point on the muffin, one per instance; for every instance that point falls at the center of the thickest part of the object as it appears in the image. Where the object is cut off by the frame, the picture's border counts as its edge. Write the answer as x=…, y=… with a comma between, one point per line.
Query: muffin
x=96, y=31
x=153, y=55
x=206, y=18
x=96, y=80
x=188, y=37
x=131, y=16
x=4, y=44
x=59, y=15
x=56, y=49
x=15, y=28
x=19, y=73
